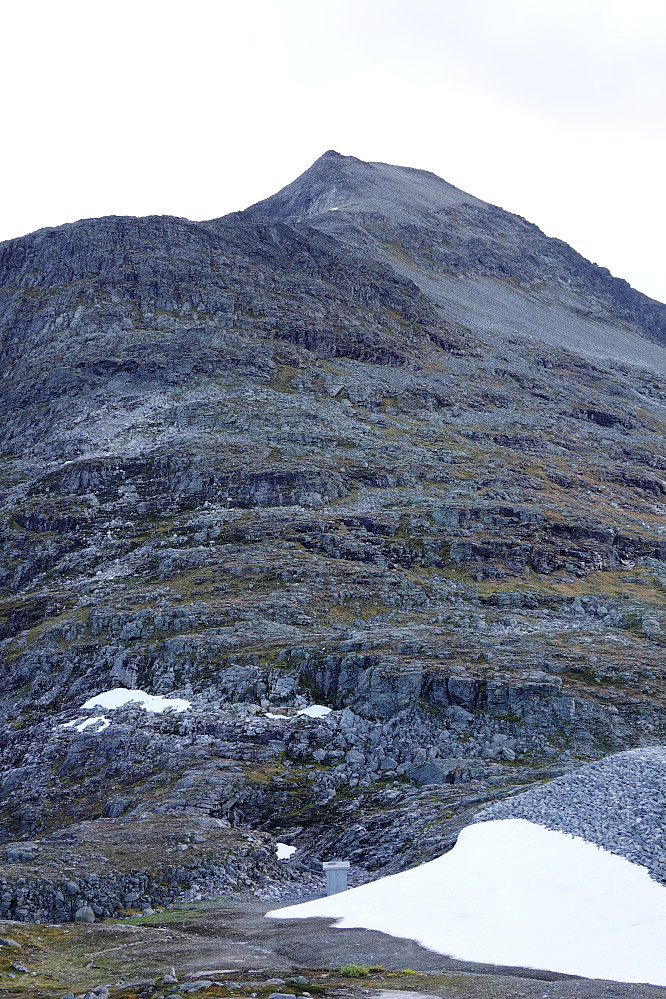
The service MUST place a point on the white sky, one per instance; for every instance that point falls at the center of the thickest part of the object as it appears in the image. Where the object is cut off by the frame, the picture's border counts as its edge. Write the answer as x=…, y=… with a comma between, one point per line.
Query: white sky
x=553, y=109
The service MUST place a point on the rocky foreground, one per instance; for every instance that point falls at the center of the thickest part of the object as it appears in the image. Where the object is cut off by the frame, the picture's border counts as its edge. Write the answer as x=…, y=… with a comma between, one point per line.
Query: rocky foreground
x=223, y=950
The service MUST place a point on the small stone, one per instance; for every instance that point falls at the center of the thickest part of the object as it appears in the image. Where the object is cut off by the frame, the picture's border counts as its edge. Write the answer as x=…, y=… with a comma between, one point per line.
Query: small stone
x=169, y=980
x=84, y=915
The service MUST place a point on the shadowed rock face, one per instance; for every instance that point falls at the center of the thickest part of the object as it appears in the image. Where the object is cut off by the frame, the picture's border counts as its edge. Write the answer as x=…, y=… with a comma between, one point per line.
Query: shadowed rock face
x=371, y=443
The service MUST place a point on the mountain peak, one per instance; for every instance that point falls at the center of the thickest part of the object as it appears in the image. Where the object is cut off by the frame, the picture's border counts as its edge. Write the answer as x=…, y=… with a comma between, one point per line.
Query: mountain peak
x=429, y=231
x=344, y=183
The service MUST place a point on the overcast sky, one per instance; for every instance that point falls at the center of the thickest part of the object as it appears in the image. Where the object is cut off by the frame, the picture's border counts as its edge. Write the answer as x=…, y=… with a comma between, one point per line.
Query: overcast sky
x=553, y=109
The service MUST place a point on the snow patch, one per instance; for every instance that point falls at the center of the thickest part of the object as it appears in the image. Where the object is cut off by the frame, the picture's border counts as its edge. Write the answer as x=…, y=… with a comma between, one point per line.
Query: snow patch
x=284, y=851
x=513, y=893
x=119, y=696
x=315, y=711
x=79, y=726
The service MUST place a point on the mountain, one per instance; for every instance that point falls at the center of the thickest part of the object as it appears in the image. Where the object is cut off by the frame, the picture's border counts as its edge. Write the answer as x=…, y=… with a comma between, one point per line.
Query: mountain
x=372, y=444
x=432, y=232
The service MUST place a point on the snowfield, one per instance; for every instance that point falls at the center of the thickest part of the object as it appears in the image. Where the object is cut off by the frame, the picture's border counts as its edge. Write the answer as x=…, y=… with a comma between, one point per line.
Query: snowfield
x=514, y=893
x=119, y=696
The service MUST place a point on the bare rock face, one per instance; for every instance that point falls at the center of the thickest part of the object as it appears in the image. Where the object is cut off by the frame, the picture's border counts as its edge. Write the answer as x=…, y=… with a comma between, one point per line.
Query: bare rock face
x=417, y=217
x=371, y=444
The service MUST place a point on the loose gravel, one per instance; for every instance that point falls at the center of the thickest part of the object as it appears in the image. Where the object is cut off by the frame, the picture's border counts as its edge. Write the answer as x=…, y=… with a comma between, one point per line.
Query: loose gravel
x=619, y=803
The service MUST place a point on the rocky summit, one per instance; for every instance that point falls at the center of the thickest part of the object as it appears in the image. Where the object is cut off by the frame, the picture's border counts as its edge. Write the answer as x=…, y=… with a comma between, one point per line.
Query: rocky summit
x=371, y=444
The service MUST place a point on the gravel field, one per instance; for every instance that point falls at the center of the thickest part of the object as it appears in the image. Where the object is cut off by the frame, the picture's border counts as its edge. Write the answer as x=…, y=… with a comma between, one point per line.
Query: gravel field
x=617, y=803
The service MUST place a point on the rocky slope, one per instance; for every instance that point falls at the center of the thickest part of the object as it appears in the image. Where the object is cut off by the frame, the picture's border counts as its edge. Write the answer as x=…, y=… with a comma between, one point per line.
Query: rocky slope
x=433, y=232
x=617, y=803
x=371, y=443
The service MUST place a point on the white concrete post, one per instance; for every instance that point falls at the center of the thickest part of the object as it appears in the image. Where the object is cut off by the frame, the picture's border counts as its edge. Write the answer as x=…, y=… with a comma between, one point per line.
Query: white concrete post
x=336, y=876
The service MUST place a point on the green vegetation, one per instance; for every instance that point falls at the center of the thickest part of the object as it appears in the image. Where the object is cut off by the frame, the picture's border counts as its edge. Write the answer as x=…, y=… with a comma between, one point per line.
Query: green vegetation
x=354, y=970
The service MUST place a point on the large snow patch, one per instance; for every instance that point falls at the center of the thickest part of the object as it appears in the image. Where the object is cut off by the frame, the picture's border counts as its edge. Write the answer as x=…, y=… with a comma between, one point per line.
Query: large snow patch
x=119, y=696
x=513, y=893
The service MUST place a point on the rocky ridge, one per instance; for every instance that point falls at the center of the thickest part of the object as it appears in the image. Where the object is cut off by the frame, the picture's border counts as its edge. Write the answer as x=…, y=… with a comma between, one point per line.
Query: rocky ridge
x=146, y=862
x=290, y=456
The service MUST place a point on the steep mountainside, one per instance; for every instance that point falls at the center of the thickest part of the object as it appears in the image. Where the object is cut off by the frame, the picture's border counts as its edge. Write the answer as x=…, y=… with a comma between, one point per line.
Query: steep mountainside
x=371, y=443
x=435, y=232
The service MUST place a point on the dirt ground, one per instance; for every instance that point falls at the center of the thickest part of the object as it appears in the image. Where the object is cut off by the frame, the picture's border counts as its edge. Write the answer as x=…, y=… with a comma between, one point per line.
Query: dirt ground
x=229, y=943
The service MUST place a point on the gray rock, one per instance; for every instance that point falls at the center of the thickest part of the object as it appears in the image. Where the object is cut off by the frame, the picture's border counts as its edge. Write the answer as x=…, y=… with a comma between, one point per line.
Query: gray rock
x=616, y=803
x=436, y=771
x=273, y=455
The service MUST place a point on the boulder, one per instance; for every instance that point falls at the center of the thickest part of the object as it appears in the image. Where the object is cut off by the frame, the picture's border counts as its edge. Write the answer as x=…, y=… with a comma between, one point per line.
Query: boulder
x=436, y=771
